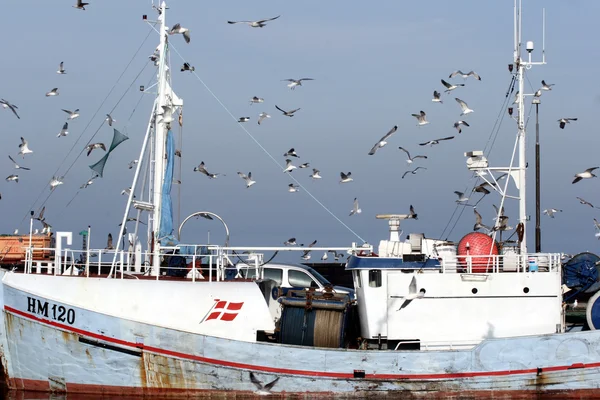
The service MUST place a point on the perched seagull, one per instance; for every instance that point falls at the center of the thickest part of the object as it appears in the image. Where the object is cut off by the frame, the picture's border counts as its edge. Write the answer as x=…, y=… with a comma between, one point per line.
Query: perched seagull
x=293, y=188
x=324, y=257
x=421, y=118
x=584, y=175
x=478, y=224
x=305, y=165
x=290, y=242
x=80, y=5
x=110, y=119
x=187, y=67
x=14, y=178
x=414, y=171
x=516, y=100
x=61, y=68
x=383, y=141
x=411, y=159
x=263, y=390
x=255, y=24
x=262, y=116
x=296, y=82
x=17, y=166
x=93, y=146
x=53, y=92
x=72, y=114
x=13, y=108
x=437, y=97
x=24, y=148
x=177, y=28
x=316, y=174
x=582, y=201
x=288, y=166
x=459, y=123
x=291, y=153
x=345, y=178
x=451, y=86
x=461, y=197
x=355, y=209
x=465, y=76
x=256, y=100
x=412, y=294
x=244, y=119
x=132, y=164
x=202, y=169
x=551, y=211
x=465, y=108
x=56, y=181
x=64, y=131
x=546, y=86
x=412, y=214
x=563, y=121
x=247, y=178
x=538, y=93
x=287, y=113
x=435, y=141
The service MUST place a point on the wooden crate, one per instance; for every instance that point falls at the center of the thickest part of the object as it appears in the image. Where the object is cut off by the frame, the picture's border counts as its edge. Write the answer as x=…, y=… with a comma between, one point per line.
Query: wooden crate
x=12, y=247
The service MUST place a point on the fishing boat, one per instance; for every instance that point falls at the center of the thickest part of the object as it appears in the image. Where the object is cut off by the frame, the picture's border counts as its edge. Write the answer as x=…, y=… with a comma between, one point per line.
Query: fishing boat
x=426, y=316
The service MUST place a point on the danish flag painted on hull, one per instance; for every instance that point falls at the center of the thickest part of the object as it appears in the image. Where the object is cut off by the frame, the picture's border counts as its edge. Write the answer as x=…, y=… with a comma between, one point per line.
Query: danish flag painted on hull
x=223, y=310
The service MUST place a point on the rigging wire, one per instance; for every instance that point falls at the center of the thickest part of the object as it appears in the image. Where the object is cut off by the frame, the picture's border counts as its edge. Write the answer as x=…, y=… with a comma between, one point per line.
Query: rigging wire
x=86, y=127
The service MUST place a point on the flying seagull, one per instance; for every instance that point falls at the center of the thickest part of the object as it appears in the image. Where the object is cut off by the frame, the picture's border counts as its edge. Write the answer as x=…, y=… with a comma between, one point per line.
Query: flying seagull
x=435, y=141
x=412, y=214
x=546, y=86
x=421, y=118
x=289, y=167
x=262, y=390
x=478, y=224
x=255, y=24
x=316, y=174
x=482, y=188
x=290, y=242
x=202, y=169
x=461, y=197
x=355, y=209
x=465, y=76
x=14, y=178
x=293, y=188
x=109, y=242
x=306, y=254
x=56, y=181
x=262, y=116
x=13, y=108
x=243, y=119
x=256, y=100
x=132, y=164
x=187, y=67
x=291, y=153
x=304, y=165
x=563, y=121
x=437, y=97
x=457, y=125
x=296, y=82
x=110, y=119
x=582, y=201
x=411, y=159
x=88, y=183
x=17, y=166
x=24, y=148
x=412, y=293
x=53, y=92
x=465, y=108
x=551, y=211
x=72, y=114
x=287, y=113
x=383, y=141
x=177, y=28
x=64, y=131
x=584, y=175
x=451, y=86
x=247, y=178
x=80, y=5
x=61, y=68
x=345, y=178
x=414, y=171
x=93, y=146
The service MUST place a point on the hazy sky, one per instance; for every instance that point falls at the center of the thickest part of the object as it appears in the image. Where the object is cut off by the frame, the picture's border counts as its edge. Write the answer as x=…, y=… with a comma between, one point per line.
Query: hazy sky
x=373, y=63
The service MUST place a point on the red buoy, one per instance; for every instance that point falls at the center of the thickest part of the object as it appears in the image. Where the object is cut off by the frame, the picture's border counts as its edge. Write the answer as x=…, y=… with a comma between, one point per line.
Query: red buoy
x=478, y=245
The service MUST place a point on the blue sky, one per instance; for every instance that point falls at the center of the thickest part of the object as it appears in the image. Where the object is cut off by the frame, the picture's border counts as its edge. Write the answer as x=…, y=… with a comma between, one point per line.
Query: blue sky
x=373, y=65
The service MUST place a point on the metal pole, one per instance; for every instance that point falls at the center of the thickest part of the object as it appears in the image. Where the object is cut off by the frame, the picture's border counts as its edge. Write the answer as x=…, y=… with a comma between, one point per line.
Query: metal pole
x=538, y=233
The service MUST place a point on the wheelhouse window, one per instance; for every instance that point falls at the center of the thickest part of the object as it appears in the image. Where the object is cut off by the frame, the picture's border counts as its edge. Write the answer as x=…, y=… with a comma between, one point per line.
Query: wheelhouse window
x=275, y=274
x=301, y=279
x=357, y=278
x=375, y=278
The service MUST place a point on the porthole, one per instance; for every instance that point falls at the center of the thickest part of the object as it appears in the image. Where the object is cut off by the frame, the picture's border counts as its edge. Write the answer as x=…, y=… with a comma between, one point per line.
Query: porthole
x=525, y=290
x=474, y=290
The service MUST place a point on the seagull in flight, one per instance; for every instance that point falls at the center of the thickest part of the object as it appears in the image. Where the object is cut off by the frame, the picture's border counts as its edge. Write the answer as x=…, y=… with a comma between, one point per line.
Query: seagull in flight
x=132, y=164
x=289, y=167
x=88, y=183
x=465, y=108
x=435, y=141
x=597, y=225
x=177, y=28
x=255, y=24
x=465, y=76
x=546, y=86
x=563, y=121
x=291, y=153
x=451, y=86
x=202, y=169
x=290, y=242
x=72, y=114
x=93, y=146
x=437, y=97
x=17, y=166
x=53, y=92
x=262, y=116
x=243, y=119
x=412, y=214
x=14, y=178
x=256, y=100
x=64, y=131
x=262, y=389
x=414, y=171
x=551, y=211
x=316, y=174
x=355, y=209
x=411, y=159
x=457, y=125
x=292, y=188
x=461, y=197
x=478, y=224
x=296, y=82
x=306, y=254
x=56, y=181
x=80, y=5
x=13, y=108
x=383, y=141
x=247, y=178
x=482, y=188
x=412, y=293
x=421, y=117
x=187, y=67
x=584, y=175
x=345, y=178
x=110, y=120
x=287, y=113
x=24, y=148
x=304, y=165
x=61, y=68
x=582, y=201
